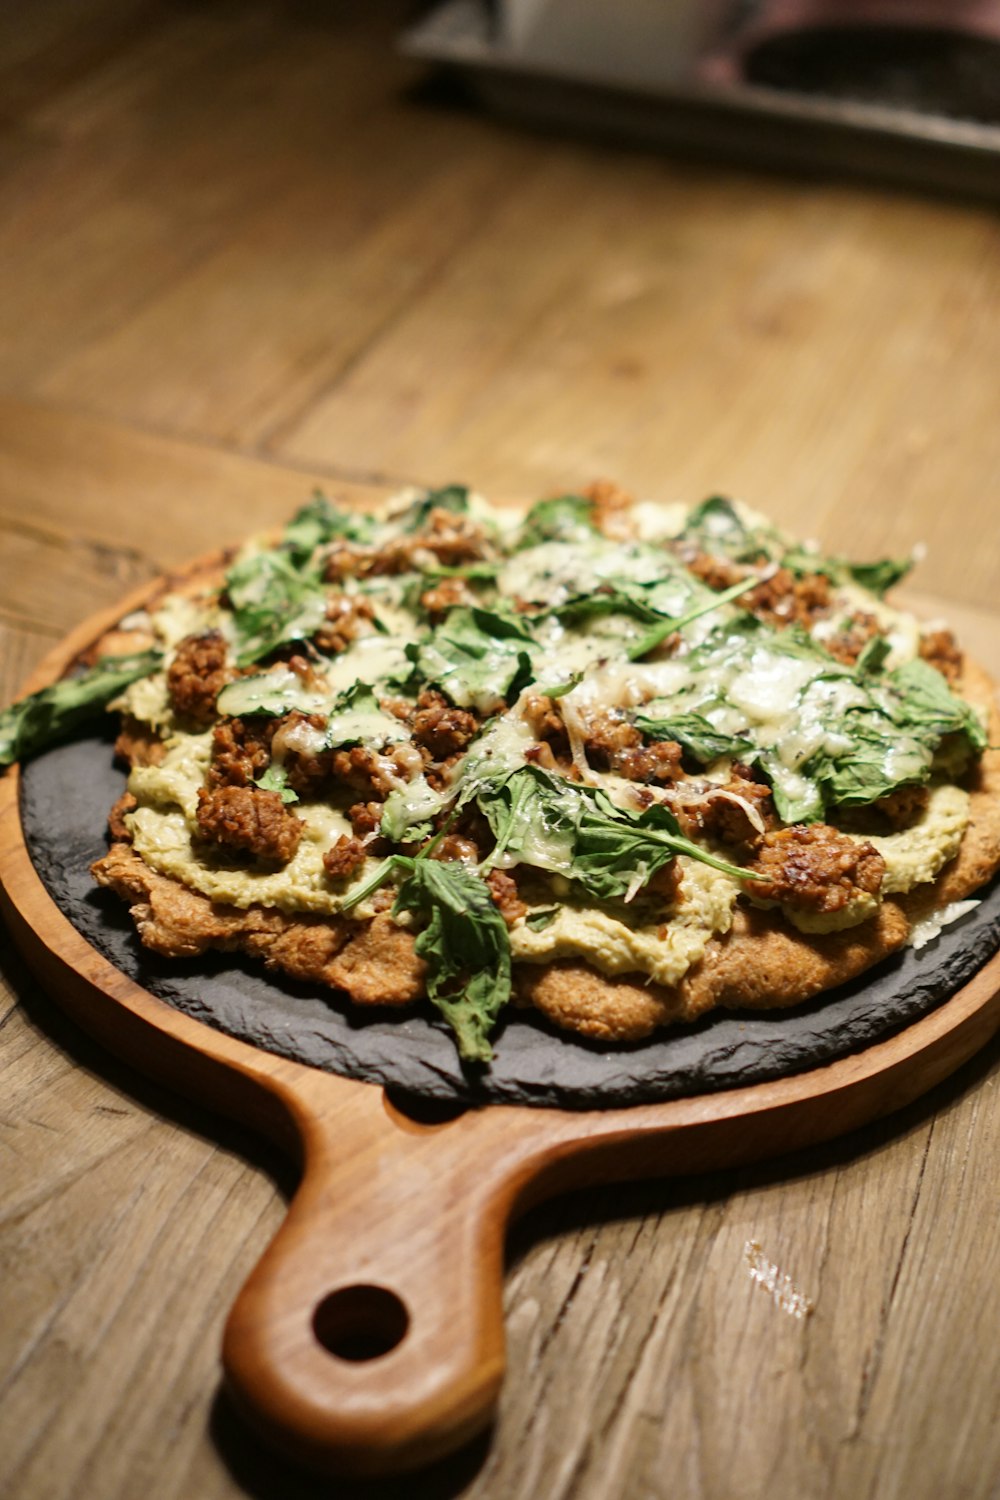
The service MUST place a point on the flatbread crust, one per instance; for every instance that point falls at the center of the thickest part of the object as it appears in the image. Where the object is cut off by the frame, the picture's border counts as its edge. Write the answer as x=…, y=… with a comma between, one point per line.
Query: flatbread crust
x=760, y=964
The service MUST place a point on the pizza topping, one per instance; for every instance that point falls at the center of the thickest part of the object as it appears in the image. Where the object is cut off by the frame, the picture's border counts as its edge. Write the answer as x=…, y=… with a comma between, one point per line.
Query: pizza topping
x=940, y=649
x=816, y=868
x=576, y=735
x=245, y=819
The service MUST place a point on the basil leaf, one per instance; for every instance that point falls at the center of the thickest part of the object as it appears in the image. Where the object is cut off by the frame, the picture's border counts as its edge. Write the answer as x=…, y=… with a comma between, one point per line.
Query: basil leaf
x=716, y=528
x=272, y=694
x=357, y=718
x=452, y=497
x=56, y=711
x=319, y=522
x=477, y=657
x=563, y=518
x=273, y=604
x=553, y=824
x=275, y=779
x=879, y=577
x=466, y=948
x=927, y=702
x=695, y=735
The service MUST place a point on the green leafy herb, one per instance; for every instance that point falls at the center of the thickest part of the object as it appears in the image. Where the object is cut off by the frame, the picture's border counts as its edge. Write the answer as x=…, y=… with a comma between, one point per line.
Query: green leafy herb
x=873, y=656
x=879, y=577
x=452, y=497
x=552, y=824
x=463, y=941
x=271, y=694
x=695, y=734
x=275, y=779
x=273, y=604
x=319, y=522
x=542, y=918
x=477, y=657
x=715, y=526
x=563, y=518
x=358, y=719
x=927, y=702
x=659, y=633
x=54, y=712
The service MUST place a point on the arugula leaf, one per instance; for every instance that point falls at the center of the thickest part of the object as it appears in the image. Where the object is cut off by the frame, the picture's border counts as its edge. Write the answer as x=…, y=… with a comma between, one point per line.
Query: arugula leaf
x=715, y=526
x=873, y=656
x=553, y=824
x=319, y=522
x=465, y=946
x=464, y=943
x=659, y=633
x=452, y=497
x=275, y=779
x=273, y=604
x=927, y=702
x=879, y=577
x=271, y=694
x=56, y=711
x=563, y=518
x=477, y=657
x=357, y=718
x=695, y=734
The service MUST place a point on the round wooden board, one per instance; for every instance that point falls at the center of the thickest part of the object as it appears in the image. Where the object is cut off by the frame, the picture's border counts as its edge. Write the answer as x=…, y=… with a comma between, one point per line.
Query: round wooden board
x=369, y=1339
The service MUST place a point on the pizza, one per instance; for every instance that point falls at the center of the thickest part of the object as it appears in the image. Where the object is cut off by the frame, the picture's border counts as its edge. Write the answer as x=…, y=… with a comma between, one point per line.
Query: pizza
x=617, y=761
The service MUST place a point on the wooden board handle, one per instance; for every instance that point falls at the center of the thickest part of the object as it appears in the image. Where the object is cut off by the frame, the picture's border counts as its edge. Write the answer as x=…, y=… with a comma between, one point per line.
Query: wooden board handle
x=370, y=1336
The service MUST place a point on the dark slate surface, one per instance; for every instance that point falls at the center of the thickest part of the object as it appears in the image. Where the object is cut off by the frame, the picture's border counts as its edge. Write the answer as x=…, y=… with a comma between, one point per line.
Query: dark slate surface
x=65, y=799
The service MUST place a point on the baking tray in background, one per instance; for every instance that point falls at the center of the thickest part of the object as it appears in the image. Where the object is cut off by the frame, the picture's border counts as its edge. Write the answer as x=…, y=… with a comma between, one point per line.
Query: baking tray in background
x=743, y=123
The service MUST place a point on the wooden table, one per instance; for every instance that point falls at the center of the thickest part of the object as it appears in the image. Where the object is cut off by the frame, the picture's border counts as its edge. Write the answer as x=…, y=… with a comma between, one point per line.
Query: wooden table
x=241, y=251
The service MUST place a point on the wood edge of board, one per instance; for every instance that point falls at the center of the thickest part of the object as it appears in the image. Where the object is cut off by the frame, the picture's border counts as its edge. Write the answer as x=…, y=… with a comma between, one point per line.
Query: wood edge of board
x=369, y=1338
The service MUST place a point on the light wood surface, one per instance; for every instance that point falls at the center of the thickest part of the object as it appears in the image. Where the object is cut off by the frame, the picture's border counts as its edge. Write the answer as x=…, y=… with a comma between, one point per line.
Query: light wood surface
x=240, y=253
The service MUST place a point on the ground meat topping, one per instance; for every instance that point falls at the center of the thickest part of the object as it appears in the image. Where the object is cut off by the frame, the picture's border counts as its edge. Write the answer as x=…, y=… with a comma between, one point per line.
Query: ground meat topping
x=241, y=751
x=784, y=599
x=941, y=650
x=250, y=820
x=455, y=846
x=348, y=616
x=197, y=675
x=816, y=867
x=717, y=572
x=721, y=817
x=610, y=509
x=852, y=637
x=441, y=729
x=657, y=764
x=503, y=889
x=345, y=856
x=546, y=723
x=445, y=595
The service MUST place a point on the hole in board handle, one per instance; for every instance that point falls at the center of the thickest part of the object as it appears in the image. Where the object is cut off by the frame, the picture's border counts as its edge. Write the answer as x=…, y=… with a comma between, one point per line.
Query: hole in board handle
x=360, y=1323
x=417, y=1115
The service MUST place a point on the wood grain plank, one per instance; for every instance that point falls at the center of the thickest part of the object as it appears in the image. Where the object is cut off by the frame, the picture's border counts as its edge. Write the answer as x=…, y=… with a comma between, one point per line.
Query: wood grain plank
x=825, y=353
x=152, y=160
x=250, y=334
x=101, y=485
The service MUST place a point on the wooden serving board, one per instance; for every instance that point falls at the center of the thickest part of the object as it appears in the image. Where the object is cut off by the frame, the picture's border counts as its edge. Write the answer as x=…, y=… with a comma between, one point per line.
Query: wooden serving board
x=369, y=1339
